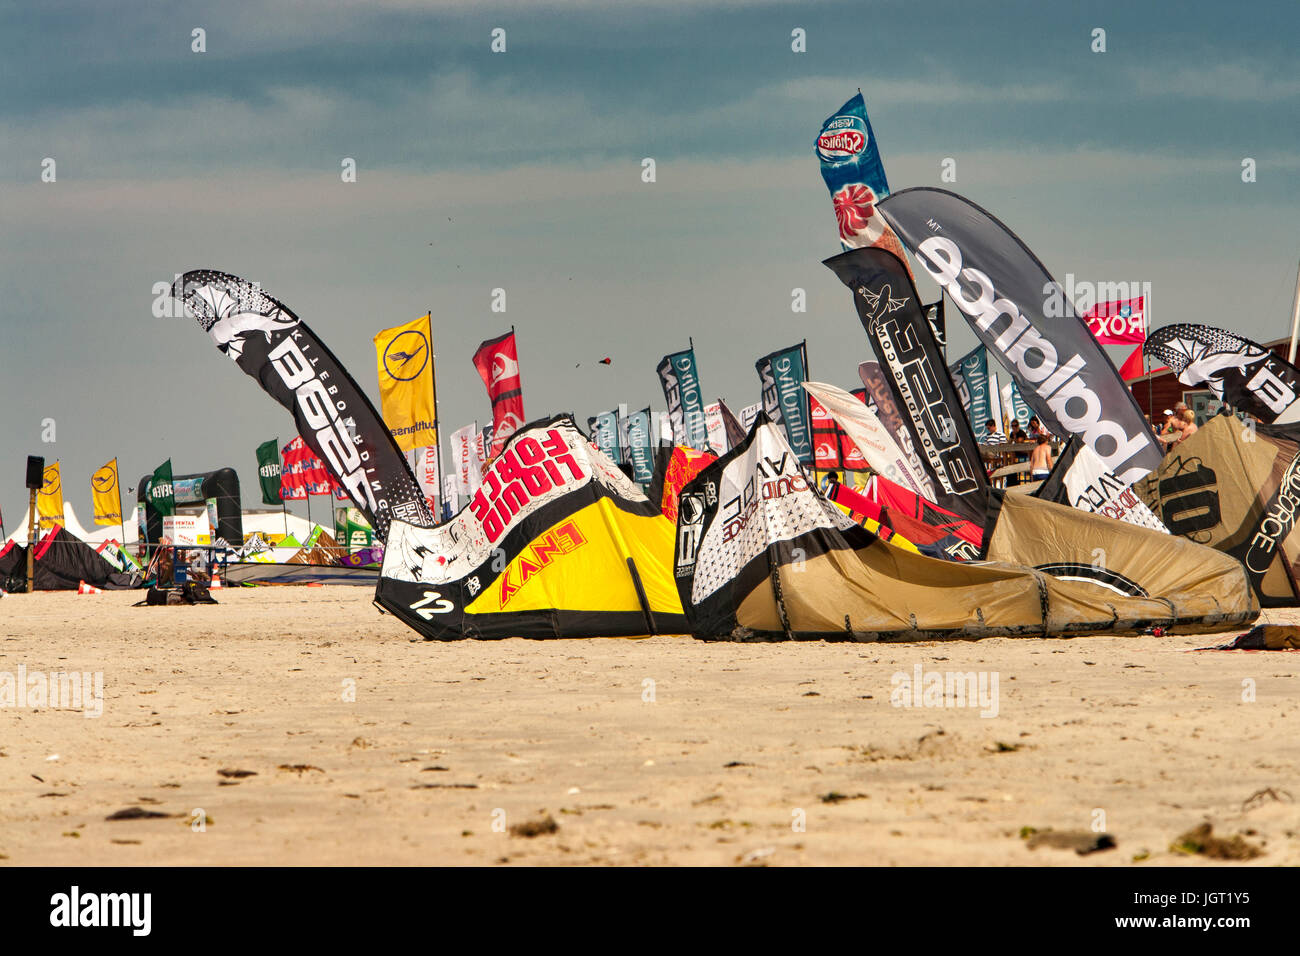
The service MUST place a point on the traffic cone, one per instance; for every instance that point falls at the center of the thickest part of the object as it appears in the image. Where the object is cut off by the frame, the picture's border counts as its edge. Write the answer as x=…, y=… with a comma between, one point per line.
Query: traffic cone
x=84, y=588
x=215, y=584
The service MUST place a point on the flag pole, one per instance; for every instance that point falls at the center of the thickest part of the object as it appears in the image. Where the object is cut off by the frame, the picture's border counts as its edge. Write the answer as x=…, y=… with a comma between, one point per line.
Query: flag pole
x=1295, y=317
x=437, y=425
x=1146, y=365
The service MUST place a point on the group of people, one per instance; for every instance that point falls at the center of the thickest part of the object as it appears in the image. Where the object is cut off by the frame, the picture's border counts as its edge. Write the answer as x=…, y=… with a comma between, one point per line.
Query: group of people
x=1180, y=425
x=1018, y=436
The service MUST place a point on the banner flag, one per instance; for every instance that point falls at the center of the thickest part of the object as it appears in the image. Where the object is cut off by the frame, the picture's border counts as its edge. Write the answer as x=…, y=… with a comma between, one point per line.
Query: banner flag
x=716, y=428
x=749, y=415
x=161, y=495
x=640, y=447
x=826, y=436
x=106, y=495
x=782, y=374
x=404, y=355
x=268, y=471
x=1133, y=366
x=1122, y=322
x=853, y=172
x=938, y=323
x=497, y=361
x=49, y=499
x=850, y=453
x=1024, y=319
x=735, y=430
x=1019, y=410
x=890, y=312
x=869, y=434
x=680, y=378
x=970, y=375
x=1245, y=375
x=450, y=494
x=604, y=434
x=466, y=459
x=272, y=345
x=426, y=473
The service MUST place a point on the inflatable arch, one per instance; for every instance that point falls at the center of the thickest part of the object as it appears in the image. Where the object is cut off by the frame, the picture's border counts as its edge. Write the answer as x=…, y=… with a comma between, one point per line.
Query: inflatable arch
x=195, y=489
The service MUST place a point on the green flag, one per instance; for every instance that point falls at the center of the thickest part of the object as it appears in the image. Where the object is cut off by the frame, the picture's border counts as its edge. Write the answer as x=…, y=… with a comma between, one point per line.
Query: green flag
x=161, y=496
x=268, y=471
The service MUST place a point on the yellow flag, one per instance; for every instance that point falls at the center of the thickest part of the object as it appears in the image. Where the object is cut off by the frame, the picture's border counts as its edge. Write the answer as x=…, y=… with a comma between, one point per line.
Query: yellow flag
x=106, y=495
x=49, y=500
x=405, y=358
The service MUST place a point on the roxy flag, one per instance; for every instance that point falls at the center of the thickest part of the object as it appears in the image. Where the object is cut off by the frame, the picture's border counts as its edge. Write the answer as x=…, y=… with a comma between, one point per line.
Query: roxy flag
x=1122, y=322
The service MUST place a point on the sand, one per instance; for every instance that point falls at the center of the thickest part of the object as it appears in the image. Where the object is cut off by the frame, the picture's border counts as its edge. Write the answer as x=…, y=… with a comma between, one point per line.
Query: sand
x=660, y=751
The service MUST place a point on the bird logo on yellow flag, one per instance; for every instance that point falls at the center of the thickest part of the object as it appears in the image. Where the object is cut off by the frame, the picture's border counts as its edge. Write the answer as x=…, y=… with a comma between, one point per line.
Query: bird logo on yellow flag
x=404, y=355
x=49, y=500
x=104, y=492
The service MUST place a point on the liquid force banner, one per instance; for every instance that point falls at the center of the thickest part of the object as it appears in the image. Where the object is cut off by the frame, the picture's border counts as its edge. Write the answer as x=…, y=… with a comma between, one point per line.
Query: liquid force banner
x=338, y=423
x=1247, y=376
x=640, y=446
x=970, y=374
x=782, y=375
x=998, y=284
x=497, y=361
x=891, y=314
x=604, y=433
x=680, y=378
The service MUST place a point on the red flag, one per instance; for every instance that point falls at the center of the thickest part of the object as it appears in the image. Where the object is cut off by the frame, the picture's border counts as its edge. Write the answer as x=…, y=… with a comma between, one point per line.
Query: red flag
x=302, y=473
x=497, y=361
x=1132, y=367
x=853, y=458
x=826, y=450
x=1122, y=322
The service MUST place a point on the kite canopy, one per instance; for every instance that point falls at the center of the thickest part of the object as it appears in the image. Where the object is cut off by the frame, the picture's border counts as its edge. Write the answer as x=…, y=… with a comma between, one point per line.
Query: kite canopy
x=762, y=556
x=1235, y=486
x=61, y=562
x=558, y=542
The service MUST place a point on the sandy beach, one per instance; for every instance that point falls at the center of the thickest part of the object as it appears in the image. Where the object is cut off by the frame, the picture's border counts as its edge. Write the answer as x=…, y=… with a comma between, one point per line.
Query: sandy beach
x=304, y=727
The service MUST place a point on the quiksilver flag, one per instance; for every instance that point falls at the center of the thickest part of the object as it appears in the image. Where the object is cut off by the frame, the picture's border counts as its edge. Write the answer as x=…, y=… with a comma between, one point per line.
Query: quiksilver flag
x=497, y=361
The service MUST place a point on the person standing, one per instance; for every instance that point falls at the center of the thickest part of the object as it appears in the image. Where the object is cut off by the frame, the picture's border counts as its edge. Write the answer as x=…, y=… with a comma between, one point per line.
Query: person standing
x=1040, y=459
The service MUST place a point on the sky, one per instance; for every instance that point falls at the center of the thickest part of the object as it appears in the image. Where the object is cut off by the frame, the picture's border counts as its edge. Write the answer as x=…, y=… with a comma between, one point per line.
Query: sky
x=521, y=170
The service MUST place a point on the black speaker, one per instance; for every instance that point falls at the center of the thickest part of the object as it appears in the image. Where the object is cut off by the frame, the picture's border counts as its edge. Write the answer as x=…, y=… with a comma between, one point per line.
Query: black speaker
x=35, y=471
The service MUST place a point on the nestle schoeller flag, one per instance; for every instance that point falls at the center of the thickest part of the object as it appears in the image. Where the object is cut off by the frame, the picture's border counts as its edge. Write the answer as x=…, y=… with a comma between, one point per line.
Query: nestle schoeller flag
x=497, y=361
x=1023, y=316
x=268, y=471
x=680, y=378
x=334, y=417
x=782, y=374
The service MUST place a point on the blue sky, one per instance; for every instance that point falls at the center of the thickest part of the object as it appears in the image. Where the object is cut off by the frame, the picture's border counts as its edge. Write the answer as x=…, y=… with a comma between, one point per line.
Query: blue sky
x=521, y=170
